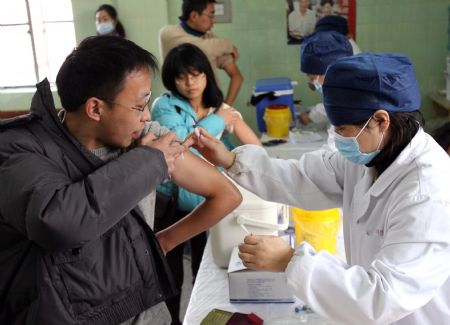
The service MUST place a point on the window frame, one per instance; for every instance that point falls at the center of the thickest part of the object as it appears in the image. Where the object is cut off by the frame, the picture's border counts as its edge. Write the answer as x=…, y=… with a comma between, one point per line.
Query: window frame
x=44, y=71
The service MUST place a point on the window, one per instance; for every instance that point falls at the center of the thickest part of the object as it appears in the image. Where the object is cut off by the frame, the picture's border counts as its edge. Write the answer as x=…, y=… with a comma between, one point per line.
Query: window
x=36, y=37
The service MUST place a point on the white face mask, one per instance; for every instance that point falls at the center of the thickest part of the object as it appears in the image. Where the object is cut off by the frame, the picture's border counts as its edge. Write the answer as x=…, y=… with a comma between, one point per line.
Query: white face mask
x=315, y=85
x=349, y=148
x=105, y=28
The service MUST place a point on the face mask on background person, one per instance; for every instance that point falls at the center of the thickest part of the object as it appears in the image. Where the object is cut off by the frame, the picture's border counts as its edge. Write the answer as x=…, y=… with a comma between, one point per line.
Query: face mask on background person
x=349, y=148
x=315, y=85
x=105, y=28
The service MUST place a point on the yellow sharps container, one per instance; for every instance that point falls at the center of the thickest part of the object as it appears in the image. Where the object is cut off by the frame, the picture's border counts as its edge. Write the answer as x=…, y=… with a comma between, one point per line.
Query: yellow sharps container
x=277, y=118
x=319, y=227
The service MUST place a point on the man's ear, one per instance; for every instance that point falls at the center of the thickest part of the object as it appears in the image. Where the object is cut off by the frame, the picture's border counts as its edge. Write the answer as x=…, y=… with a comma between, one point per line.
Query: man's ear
x=193, y=15
x=94, y=108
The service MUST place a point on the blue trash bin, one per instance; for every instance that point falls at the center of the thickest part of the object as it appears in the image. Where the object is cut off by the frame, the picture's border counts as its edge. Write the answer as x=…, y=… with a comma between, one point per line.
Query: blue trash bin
x=272, y=91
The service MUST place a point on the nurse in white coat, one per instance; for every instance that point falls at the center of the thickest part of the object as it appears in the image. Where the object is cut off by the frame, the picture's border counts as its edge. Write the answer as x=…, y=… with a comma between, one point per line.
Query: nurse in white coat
x=392, y=180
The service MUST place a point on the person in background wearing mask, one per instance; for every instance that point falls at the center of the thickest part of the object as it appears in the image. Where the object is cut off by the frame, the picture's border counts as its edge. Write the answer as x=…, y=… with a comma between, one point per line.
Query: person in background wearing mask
x=317, y=52
x=196, y=21
x=338, y=24
x=107, y=22
x=390, y=177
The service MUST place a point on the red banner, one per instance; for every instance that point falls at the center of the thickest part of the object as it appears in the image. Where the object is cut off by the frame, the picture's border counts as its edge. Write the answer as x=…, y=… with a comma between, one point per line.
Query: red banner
x=348, y=10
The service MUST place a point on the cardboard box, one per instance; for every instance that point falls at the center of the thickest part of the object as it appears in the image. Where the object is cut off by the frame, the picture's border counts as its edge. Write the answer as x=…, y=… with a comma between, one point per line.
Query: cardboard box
x=247, y=286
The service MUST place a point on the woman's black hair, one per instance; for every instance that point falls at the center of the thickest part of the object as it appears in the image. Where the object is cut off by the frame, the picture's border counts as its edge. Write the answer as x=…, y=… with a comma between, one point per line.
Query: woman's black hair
x=442, y=136
x=98, y=67
x=403, y=127
x=112, y=12
x=187, y=58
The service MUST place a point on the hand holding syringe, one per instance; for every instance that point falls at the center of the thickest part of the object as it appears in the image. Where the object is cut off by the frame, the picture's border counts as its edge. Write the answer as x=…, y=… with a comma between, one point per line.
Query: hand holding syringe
x=196, y=132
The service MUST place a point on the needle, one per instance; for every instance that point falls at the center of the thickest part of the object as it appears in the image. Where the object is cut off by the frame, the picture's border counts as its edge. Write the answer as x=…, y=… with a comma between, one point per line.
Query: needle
x=245, y=228
x=196, y=130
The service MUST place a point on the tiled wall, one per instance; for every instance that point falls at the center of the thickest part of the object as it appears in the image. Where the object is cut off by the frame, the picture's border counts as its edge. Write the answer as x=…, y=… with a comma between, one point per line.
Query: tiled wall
x=417, y=28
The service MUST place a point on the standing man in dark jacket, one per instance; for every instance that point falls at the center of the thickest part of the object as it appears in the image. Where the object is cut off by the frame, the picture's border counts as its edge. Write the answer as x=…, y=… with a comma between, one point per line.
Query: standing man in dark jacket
x=75, y=245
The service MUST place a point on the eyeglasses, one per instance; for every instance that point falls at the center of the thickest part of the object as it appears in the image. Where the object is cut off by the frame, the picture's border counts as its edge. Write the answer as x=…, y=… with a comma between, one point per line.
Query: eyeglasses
x=139, y=109
x=210, y=16
x=184, y=78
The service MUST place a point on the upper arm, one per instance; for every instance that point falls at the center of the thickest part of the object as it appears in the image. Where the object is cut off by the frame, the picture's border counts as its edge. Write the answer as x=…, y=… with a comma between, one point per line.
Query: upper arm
x=244, y=133
x=232, y=69
x=198, y=176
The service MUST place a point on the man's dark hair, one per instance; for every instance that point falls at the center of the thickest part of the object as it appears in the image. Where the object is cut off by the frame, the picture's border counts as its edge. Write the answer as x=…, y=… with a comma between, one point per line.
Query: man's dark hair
x=98, y=68
x=189, y=6
x=187, y=58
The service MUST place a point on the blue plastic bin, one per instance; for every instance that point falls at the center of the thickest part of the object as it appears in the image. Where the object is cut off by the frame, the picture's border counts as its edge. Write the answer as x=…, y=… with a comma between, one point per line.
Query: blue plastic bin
x=272, y=91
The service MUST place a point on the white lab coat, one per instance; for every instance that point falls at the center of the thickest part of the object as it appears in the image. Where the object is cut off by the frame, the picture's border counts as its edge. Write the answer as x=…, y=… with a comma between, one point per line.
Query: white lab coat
x=396, y=231
x=317, y=114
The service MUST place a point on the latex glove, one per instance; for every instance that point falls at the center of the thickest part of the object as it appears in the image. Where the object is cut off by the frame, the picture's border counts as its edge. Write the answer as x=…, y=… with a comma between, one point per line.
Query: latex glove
x=265, y=253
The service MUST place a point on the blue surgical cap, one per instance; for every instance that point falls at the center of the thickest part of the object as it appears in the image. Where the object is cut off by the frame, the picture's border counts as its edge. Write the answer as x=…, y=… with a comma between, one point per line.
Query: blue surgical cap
x=356, y=86
x=332, y=23
x=321, y=49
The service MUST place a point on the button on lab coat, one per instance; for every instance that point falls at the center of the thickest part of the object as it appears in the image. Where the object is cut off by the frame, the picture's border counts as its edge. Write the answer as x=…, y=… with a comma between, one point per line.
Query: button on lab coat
x=396, y=231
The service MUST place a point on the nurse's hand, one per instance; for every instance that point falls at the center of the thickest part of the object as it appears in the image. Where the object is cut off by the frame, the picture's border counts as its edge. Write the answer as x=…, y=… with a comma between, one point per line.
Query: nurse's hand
x=214, y=150
x=265, y=253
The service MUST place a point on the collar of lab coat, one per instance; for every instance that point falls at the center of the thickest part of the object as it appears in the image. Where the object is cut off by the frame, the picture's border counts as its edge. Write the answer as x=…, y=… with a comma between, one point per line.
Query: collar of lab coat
x=400, y=164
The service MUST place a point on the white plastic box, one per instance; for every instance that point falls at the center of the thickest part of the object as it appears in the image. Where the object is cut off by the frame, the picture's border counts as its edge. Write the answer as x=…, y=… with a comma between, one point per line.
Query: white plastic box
x=258, y=216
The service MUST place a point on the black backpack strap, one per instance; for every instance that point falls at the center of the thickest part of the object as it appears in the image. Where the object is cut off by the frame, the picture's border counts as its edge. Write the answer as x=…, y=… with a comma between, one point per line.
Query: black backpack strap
x=254, y=100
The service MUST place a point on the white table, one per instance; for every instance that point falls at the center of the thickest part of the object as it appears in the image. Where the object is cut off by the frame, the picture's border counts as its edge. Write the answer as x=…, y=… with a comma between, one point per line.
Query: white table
x=211, y=286
x=291, y=150
x=211, y=291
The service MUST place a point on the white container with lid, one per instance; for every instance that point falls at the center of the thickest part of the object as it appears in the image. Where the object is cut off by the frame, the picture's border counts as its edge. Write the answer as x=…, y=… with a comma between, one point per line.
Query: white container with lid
x=260, y=217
